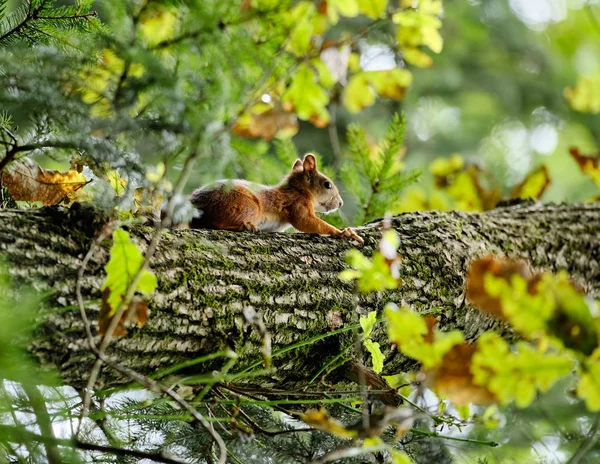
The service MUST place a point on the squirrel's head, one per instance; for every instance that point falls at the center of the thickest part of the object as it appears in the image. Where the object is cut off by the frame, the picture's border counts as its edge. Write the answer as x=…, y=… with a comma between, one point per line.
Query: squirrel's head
x=305, y=176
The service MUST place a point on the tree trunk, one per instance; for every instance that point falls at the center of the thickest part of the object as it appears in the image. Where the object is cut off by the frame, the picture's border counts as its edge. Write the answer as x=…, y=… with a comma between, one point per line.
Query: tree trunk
x=208, y=278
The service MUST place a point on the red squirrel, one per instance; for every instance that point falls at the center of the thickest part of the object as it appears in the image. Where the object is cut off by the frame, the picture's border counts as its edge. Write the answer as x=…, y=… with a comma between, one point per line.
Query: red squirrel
x=241, y=205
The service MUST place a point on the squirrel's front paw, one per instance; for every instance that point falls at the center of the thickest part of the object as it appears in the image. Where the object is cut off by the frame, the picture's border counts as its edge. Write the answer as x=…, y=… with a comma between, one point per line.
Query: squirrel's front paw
x=349, y=233
x=249, y=227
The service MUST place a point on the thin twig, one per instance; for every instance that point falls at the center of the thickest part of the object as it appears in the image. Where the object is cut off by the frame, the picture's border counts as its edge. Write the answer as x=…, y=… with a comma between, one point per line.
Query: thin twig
x=22, y=435
x=38, y=404
x=588, y=442
x=334, y=137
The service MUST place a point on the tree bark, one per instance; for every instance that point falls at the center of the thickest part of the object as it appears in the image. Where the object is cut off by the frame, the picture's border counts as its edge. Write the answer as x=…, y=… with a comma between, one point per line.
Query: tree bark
x=208, y=278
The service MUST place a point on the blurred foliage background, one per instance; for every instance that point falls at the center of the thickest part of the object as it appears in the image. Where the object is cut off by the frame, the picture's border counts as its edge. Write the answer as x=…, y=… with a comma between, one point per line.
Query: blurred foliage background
x=495, y=96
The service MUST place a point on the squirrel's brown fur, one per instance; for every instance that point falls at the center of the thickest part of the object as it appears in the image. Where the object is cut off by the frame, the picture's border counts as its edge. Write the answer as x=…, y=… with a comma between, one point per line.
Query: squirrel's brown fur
x=241, y=205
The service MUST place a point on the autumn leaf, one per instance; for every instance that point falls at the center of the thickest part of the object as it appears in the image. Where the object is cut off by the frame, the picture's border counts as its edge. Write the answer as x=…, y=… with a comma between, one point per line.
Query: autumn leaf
x=516, y=373
x=319, y=419
x=266, y=121
x=497, y=267
x=534, y=185
x=589, y=164
x=415, y=337
x=125, y=262
x=453, y=379
x=363, y=87
x=585, y=95
x=27, y=181
x=307, y=98
x=377, y=357
x=137, y=312
x=158, y=25
x=373, y=9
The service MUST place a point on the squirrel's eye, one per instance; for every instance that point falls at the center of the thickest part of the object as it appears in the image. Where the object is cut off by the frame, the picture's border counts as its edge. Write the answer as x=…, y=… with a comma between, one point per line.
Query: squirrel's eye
x=328, y=185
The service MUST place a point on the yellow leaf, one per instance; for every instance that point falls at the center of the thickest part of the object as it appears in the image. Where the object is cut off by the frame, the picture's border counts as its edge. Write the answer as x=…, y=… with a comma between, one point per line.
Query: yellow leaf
x=319, y=419
x=400, y=457
x=358, y=94
x=585, y=95
x=266, y=121
x=391, y=83
x=300, y=19
x=534, y=185
x=417, y=57
x=373, y=9
x=118, y=183
x=337, y=8
x=159, y=25
x=307, y=98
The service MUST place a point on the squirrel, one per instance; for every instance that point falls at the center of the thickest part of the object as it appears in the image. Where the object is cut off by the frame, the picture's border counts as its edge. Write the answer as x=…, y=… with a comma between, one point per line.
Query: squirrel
x=241, y=205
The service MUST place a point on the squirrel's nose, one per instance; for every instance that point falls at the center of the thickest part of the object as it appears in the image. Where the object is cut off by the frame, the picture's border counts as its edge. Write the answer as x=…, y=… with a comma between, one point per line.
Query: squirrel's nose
x=340, y=203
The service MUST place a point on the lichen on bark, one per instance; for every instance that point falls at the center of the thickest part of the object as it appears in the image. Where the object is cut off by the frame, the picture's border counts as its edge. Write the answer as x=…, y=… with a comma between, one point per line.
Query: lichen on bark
x=207, y=278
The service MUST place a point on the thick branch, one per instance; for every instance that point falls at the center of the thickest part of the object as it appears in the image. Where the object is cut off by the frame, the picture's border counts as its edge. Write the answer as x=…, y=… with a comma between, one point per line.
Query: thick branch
x=207, y=278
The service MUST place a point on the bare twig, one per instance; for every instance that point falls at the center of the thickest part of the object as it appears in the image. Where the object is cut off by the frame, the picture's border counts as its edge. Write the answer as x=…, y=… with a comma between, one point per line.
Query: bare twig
x=22, y=435
x=588, y=442
x=334, y=137
x=38, y=404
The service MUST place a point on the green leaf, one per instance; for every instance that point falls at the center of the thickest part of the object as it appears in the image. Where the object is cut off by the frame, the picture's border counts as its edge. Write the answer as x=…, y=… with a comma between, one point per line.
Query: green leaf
x=337, y=8
x=364, y=86
x=588, y=387
x=400, y=457
x=307, y=98
x=516, y=375
x=358, y=94
x=367, y=323
x=373, y=9
x=301, y=21
x=377, y=357
x=372, y=275
x=126, y=259
x=408, y=330
x=585, y=95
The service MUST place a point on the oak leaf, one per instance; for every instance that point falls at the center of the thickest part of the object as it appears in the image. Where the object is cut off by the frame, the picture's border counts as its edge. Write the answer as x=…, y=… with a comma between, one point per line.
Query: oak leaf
x=27, y=181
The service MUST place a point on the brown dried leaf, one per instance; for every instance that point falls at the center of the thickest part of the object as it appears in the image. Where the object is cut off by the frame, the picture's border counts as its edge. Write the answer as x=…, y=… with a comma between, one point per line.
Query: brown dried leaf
x=266, y=124
x=319, y=419
x=453, y=378
x=27, y=181
x=589, y=164
x=137, y=312
x=499, y=267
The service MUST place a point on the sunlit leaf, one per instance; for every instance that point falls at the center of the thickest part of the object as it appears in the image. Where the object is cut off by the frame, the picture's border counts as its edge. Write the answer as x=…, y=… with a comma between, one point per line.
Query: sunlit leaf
x=373, y=9
x=534, y=185
x=367, y=323
x=337, y=8
x=516, y=375
x=27, y=181
x=158, y=25
x=452, y=378
x=266, y=121
x=319, y=419
x=125, y=261
x=589, y=164
x=377, y=357
x=415, y=337
x=585, y=95
x=307, y=98
x=588, y=387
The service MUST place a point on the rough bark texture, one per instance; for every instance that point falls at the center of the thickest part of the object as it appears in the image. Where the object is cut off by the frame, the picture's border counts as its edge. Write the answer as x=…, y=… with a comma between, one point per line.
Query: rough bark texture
x=206, y=278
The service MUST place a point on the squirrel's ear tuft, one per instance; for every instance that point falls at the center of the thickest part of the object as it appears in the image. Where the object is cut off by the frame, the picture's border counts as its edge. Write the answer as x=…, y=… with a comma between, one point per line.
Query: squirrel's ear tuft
x=310, y=163
x=297, y=166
